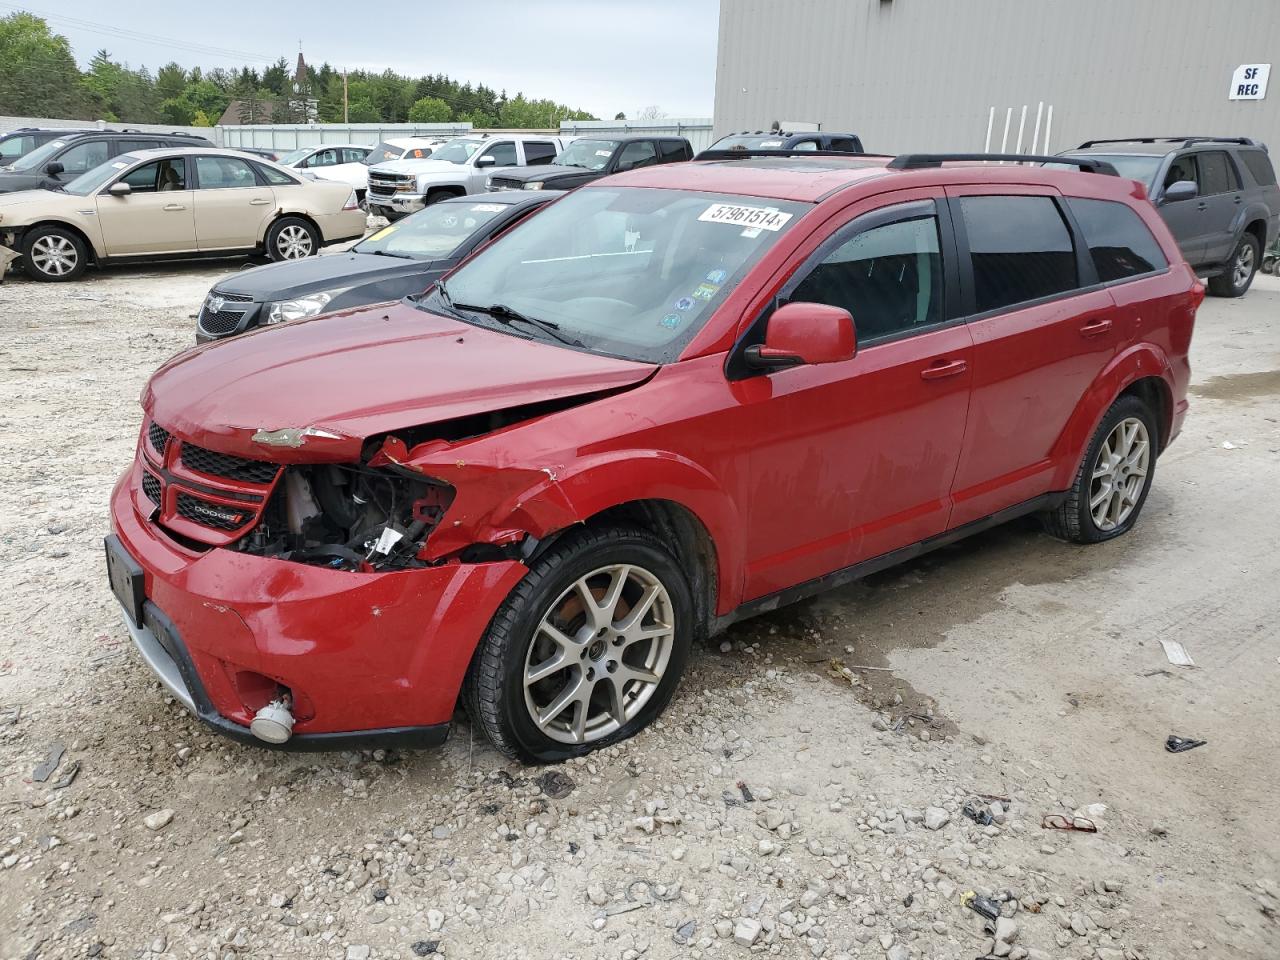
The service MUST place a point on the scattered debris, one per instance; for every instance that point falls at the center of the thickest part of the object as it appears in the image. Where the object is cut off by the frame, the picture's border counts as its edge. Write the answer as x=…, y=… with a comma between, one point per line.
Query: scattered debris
x=1056, y=821
x=556, y=784
x=1177, y=653
x=979, y=815
x=983, y=906
x=746, y=792
x=9, y=716
x=69, y=773
x=1182, y=744
x=158, y=820
x=1228, y=445
x=424, y=948
x=49, y=764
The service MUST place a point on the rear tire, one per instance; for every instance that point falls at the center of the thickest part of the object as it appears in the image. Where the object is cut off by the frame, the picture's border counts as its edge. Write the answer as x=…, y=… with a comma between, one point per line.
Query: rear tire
x=1236, y=279
x=54, y=255
x=1114, y=477
x=292, y=238
x=556, y=678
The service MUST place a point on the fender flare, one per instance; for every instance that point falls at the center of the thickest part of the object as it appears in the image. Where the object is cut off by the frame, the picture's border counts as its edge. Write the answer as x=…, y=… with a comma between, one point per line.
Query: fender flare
x=1246, y=216
x=1140, y=361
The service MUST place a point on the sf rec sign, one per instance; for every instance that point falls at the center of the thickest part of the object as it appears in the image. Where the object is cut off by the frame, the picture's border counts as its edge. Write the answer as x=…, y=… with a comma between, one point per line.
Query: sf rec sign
x=1249, y=82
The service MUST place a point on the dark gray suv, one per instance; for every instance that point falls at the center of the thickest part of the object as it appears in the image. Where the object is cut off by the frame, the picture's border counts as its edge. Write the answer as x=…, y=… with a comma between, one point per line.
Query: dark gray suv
x=1217, y=194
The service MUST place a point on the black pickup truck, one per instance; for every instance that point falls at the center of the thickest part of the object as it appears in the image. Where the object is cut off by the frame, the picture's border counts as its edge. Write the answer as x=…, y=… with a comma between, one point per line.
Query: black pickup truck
x=588, y=159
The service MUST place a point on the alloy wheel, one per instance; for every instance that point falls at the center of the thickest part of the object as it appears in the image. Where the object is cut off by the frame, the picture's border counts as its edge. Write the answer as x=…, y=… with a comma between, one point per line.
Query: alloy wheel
x=54, y=256
x=1119, y=474
x=293, y=243
x=599, y=654
x=1244, y=265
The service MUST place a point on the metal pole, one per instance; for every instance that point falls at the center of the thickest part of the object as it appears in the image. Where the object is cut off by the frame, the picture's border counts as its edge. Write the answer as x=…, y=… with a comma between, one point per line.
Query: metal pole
x=1004, y=141
x=345, y=115
x=991, y=119
x=1035, y=136
x=1021, y=126
x=1048, y=125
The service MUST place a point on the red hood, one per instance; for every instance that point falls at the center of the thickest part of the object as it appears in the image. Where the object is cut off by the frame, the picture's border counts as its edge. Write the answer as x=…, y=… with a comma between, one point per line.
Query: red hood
x=360, y=373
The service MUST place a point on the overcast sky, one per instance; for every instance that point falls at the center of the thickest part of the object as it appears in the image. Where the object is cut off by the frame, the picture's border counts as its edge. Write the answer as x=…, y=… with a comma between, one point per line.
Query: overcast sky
x=599, y=55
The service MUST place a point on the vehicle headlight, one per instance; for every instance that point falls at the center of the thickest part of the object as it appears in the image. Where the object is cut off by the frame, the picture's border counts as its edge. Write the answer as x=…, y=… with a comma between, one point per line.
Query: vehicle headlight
x=533, y=185
x=307, y=306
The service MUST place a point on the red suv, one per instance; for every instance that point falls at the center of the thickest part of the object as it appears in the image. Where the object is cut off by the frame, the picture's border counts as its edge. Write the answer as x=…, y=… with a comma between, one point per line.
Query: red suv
x=676, y=398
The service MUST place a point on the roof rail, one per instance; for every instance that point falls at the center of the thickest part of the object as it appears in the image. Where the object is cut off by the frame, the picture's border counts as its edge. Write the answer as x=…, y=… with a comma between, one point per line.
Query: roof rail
x=1186, y=141
x=736, y=154
x=919, y=161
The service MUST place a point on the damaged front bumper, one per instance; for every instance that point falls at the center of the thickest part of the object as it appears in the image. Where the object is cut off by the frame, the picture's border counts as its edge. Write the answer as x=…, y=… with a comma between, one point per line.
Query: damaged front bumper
x=367, y=658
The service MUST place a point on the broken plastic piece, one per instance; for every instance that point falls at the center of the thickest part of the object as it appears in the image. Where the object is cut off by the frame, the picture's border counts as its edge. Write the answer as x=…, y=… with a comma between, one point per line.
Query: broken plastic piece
x=1056, y=821
x=1177, y=653
x=979, y=815
x=983, y=906
x=1182, y=744
x=291, y=436
x=49, y=764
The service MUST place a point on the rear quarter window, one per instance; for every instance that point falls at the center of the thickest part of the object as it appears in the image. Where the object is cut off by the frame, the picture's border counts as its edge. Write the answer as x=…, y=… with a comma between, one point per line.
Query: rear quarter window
x=1259, y=164
x=1119, y=242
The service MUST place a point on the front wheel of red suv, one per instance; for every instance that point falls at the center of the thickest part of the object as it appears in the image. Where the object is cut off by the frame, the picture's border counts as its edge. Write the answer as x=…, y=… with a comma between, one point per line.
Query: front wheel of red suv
x=1114, y=478
x=586, y=651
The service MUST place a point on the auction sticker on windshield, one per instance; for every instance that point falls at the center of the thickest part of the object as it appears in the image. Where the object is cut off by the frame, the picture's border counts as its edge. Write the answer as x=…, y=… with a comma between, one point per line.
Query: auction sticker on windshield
x=761, y=218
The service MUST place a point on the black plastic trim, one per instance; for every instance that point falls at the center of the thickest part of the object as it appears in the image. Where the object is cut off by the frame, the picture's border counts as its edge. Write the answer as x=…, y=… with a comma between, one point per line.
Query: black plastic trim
x=866, y=568
x=768, y=154
x=401, y=738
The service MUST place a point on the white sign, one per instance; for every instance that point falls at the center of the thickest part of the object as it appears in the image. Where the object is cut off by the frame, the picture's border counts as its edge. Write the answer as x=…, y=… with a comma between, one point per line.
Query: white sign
x=1249, y=82
x=767, y=218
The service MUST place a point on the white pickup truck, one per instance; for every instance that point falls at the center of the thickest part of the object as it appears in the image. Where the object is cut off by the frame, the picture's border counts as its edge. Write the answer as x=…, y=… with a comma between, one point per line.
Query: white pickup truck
x=460, y=167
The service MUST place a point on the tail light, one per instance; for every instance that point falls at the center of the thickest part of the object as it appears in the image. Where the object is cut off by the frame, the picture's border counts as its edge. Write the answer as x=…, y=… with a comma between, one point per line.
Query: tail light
x=352, y=203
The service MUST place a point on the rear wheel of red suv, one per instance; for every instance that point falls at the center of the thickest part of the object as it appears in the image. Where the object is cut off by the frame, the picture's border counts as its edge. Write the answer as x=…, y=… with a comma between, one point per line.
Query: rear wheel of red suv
x=1114, y=478
x=586, y=651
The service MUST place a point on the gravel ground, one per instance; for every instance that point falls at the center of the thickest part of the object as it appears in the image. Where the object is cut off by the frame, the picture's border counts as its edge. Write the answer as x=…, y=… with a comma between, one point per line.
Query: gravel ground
x=803, y=797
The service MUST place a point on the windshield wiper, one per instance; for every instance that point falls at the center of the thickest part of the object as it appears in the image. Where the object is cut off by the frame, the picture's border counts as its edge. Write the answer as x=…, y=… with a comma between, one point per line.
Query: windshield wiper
x=506, y=316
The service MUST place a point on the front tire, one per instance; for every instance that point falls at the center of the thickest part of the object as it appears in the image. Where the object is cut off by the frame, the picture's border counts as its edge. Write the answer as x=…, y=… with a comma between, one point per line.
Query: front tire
x=54, y=255
x=586, y=651
x=292, y=238
x=1114, y=478
x=1241, y=269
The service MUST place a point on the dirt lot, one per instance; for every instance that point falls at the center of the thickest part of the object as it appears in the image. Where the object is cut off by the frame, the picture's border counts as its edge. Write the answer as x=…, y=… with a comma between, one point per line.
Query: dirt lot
x=779, y=808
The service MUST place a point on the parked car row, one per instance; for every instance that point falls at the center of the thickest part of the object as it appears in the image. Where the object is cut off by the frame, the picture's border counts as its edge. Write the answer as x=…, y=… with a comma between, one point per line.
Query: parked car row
x=666, y=400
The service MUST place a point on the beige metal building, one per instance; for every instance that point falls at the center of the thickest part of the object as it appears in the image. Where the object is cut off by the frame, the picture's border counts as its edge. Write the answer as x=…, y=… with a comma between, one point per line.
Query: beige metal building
x=955, y=74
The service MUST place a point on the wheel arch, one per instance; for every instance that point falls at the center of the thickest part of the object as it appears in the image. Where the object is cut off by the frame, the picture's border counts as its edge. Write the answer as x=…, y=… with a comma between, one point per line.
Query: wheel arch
x=1256, y=224
x=1142, y=371
x=283, y=213
x=94, y=253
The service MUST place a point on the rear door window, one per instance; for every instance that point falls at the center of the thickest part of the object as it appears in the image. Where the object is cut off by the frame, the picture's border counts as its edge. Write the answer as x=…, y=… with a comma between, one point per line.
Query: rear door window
x=638, y=153
x=1119, y=242
x=1217, y=175
x=673, y=150
x=1020, y=248
x=215, y=173
x=539, y=152
x=274, y=176
x=353, y=154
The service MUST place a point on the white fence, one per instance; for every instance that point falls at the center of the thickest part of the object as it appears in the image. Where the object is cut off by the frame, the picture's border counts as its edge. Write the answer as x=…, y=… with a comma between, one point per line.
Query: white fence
x=13, y=123
x=697, y=129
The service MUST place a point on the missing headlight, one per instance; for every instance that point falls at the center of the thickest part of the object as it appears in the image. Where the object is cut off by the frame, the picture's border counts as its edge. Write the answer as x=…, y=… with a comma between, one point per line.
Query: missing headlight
x=348, y=517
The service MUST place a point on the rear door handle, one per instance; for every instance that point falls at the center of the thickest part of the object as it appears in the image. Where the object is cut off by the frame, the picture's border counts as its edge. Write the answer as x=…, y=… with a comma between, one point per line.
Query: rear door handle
x=174, y=206
x=1096, y=327
x=259, y=202
x=943, y=369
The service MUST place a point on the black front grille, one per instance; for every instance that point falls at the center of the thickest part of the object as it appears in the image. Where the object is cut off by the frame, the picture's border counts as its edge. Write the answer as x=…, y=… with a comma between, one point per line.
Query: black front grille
x=223, y=465
x=501, y=183
x=220, y=323
x=210, y=514
x=151, y=487
x=157, y=436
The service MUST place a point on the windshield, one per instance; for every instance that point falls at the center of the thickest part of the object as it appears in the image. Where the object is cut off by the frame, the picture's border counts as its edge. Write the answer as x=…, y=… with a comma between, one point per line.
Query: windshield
x=433, y=233
x=750, y=142
x=293, y=156
x=91, y=180
x=588, y=154
x=1140, y=167
x=457, y=151
x=629, y=272
x=39, y=156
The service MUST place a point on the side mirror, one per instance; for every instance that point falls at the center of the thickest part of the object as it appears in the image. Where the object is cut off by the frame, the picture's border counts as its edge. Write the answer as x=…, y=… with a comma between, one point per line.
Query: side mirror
x=54, y=168
x=1181, y=190
x=805, y=333
x=486, y=161
x=119, y=189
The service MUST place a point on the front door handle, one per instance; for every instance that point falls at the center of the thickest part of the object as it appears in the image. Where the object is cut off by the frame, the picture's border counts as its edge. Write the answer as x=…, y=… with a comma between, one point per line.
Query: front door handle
x=1202, y=205
x=174, y=206
x=1095, y=327
x=943, y=369
x=259, y=202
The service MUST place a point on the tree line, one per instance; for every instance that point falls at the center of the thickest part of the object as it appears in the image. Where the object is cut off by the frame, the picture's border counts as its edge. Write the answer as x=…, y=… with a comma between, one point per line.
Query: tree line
x=39, y=76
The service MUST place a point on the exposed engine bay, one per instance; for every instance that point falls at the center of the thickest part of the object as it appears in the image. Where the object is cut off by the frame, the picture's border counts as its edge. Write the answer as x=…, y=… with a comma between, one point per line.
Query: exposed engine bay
x=349, y=517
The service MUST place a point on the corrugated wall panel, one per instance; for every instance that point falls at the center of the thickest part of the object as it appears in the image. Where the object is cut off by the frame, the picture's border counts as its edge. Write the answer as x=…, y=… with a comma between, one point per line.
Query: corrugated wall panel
x=923, y=74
